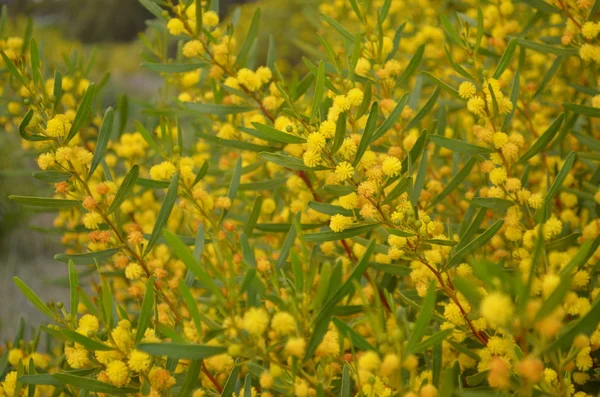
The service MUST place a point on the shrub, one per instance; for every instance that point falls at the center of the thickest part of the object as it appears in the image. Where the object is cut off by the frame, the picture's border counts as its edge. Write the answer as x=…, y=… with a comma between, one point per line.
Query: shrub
x=412, y=210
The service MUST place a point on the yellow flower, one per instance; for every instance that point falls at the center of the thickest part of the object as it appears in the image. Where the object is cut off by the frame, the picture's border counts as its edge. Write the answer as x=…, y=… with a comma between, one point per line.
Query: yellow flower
x=139, y=361
x=344, y=171
x=255, y=321
x=58, y=126
x=391, y=166
x=92, y=220
x=339, y=223
x=497, y=308
x=295, y=347
x=283, y=323
x=118, y=373
x=466, y=89
x=176, y=26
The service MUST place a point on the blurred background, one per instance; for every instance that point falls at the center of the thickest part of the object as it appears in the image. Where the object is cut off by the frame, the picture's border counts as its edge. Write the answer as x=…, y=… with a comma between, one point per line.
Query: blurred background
x=110, y=29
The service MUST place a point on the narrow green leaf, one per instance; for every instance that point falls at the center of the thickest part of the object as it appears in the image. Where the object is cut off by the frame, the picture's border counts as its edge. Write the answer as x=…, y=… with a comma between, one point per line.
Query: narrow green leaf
x=217, y=109
x=340, y=133
x=73, y=285
x=271, y=134
x=582, y=110
x=546, y=49
x=424, y=318
x=420, y=180
x=33, y=298
x=367, y=133
x=475, y=244
x=456, y=181
x=88, y=258
x=92, y=385
x=86, y=342
x=186, y=256
x=182, y=351
x=330, y=235
x=147, y=137
x=432, y=340
x=126, y=187
x=458, y=146
x=103, y=138
x=146, y=311
x=337, y=26
x=424, y=110
x=163, y=213
x=543, y=140
x=51, y=176
x=174, y=67
x=83, y=112
x=45, y=202
x=319, y=88
x=412, y=66
x=249, y=39
x=391, y=119
x=504, y=62
x=586, y=325
x=287, y=246
x=289, y=162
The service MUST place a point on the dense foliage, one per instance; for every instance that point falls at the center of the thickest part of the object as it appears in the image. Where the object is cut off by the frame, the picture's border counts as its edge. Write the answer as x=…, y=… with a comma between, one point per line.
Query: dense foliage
x=412, y=210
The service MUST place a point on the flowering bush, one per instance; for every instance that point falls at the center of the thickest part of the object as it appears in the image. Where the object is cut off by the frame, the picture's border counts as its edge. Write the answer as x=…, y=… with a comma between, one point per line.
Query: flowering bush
x=410, y=211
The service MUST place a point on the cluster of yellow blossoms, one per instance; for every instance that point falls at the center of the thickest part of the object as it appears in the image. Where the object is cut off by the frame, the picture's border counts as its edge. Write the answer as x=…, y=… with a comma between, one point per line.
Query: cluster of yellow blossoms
x=411, y=209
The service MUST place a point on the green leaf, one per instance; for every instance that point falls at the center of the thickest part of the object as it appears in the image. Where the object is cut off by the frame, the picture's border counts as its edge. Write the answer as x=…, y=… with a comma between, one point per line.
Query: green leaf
x=217, y=109
x=588, y=141
x=191, y=304
x=420, y=180
x=103, y=138
x=237, y=144
x=329, y=209
x=423, y=319
x=330, y=235
x=88, y=343
x=543, y=140
x=459, y=69
x=249, y=40
x=155, y=9
x=33, y=298
x=163, y=213
x=174, y=67
x=471, y=230
x=424, y=110
x=235, y=180
x=546, y=49
x=443, y=85
x=92, y=385
x=23, y=132
x=412, y=66
x=367, y=133
x=432, y=340
x=560, y=177
x=229, y=387
x=450, y=30
x=493, y=203
x=355, y=339
x=458, y=146
x=45, y=202
x=475, y=244
x=456, y=181
x=337, y=26
x=151, y=183
x=271, y=134
x=319, y=88
x=479, y=30
x=391, y=119
x=12, y=68
x=125, y=188
x=190, y=379
x=73, y=285
x=399, y=233
x=345, y=389
x=586, y=325
x=548, y=76
x=83, y=112
x=506, y=58
x=51, y=176
x=254, y=215
x=289, y=162
x=186, y=256
x=147, y=137
x=145, y=311
x=181, y=351
x=340, y=133
x=555, y=298
x=583, y=110
x=321, y=323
